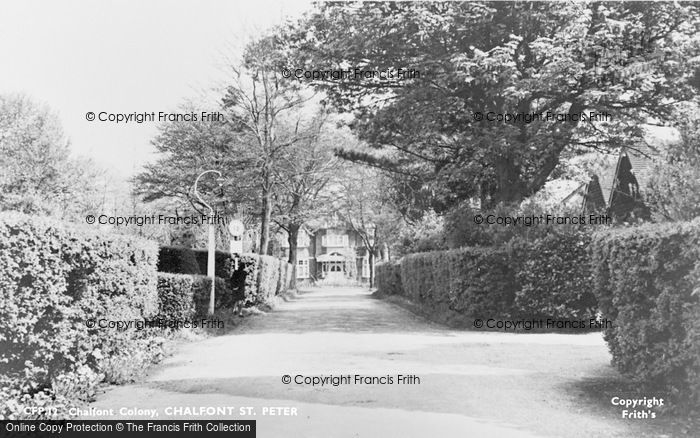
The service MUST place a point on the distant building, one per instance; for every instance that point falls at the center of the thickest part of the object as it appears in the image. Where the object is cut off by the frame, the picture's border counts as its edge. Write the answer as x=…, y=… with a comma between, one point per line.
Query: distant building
x=329, y=252
x=619, y=191
x=618, y=188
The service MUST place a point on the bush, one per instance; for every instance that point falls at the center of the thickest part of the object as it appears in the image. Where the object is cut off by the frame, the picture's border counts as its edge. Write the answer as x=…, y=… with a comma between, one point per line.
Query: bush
x=184, y=297
x=554, y=277
x=469, y=282
x=223, y=263
x=268, y=272
x=53, y=279
x=127, y=364
x=646, y=280
x=175, y=296
x=545, y=278
x=178, y=260
x=263, y=277
x=256, y=279
x=389, y=278
x=201, y=290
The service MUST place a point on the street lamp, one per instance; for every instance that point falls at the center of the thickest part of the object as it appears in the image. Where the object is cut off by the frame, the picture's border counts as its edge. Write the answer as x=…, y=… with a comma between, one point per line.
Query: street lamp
x=212, y=238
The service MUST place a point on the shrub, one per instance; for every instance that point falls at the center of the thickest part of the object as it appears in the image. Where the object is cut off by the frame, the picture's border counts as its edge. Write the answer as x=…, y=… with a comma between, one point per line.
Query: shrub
x=474, y=282
x=554, y=277
x=255, y=281
x=223, y=263
x=126, y=364
x=481, y=282
x=547, y=277
x=178, y=260
x=175, y=296
x=646, y=281
x=263, y=277
x=53, y=279
x=201, y=291
x=247, y=275
x=389, y=278
x=268, y=271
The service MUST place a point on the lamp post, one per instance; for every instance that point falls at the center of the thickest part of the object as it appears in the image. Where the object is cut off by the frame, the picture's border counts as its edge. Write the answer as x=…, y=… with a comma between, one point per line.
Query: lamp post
x=212, y=242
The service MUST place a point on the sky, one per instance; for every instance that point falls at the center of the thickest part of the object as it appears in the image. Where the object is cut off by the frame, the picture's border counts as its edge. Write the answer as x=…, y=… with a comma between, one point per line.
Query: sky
x=122, y=57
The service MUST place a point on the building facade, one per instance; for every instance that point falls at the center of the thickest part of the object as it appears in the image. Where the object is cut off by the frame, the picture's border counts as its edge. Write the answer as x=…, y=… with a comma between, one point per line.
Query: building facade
x=333, y=253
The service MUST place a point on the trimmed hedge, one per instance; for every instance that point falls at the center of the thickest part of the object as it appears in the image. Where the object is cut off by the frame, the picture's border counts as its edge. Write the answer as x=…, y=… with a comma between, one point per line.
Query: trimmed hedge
x=647, y=280
x=184, y=297
x=544, y=278
x=263, y=277
x=53, y=280
x=175, y=296
x=388, y=277
x=225, y=298
x=179, y=260
x=466, y=283
x=257, y=279
x=554, y=278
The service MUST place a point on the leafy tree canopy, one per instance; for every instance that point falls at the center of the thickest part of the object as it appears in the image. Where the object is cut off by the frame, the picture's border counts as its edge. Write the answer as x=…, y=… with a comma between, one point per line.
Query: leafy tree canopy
x=37, y=173
x=632, y=60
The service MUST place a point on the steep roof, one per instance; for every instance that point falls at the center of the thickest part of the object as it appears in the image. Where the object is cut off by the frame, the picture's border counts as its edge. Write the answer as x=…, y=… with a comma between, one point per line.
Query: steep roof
x=641, y=158
x=606, y=179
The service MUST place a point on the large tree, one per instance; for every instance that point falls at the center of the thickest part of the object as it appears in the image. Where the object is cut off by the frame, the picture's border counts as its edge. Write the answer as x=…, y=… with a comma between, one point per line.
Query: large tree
x=632, y=60
x=305, y=172
x=188, y=148
x=38, y=175
x=264, y=111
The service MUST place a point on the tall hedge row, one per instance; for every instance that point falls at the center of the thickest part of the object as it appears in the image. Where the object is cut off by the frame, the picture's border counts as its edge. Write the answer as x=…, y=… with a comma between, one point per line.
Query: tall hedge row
x=255, y=280
x=264, y=277
x=545, y=278
x=388, y=278
x=647, y=280
x=61, y=287
x=184, y=297
x=54, y=280
x=553, y=277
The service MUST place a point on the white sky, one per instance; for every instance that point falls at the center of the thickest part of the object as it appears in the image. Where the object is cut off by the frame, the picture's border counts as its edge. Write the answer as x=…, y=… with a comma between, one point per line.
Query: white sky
x=124, y=56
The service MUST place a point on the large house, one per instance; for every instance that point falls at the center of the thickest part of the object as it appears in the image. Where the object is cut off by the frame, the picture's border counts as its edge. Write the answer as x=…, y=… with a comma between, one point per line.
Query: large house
x=330, y=252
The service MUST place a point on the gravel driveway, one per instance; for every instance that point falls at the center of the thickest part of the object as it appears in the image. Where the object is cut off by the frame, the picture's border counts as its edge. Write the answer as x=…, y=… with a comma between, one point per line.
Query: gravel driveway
x=455, y=383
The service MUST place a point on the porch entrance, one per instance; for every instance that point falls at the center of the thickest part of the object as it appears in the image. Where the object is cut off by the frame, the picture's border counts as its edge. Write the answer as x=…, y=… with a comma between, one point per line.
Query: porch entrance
x=334, y=267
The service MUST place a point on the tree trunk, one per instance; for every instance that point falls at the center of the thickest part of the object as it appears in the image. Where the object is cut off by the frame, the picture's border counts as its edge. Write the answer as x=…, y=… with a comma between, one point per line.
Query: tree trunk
x=371, y=268
x=509, y=188
x=266, y=216
x=292, y=235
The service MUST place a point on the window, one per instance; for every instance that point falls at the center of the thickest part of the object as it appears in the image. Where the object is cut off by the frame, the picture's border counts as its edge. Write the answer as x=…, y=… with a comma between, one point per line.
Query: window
x=365, y=267
x=303, y=268
x=303, y=240
x=335, y=240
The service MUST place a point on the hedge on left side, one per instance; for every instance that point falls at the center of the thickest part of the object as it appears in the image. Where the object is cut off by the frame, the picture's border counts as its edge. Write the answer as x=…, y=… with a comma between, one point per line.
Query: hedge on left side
x=55, y=281
x=175, y=297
